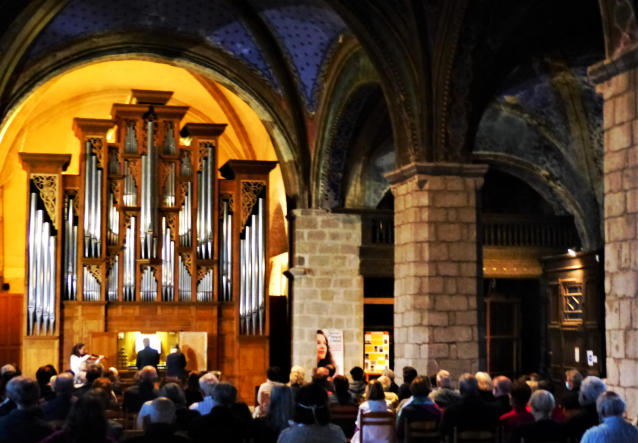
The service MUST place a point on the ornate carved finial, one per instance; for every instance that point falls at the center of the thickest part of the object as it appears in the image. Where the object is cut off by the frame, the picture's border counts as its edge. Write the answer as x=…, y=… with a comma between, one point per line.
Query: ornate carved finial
x=250, y=191
x=47, y=185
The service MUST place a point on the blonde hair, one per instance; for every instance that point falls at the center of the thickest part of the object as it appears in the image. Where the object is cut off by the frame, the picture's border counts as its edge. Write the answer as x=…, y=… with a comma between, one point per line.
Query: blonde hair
x=297, y=375
x=484, y=381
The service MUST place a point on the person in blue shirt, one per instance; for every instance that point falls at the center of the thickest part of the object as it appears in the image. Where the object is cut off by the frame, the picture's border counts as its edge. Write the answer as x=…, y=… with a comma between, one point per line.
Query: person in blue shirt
x=614, y=428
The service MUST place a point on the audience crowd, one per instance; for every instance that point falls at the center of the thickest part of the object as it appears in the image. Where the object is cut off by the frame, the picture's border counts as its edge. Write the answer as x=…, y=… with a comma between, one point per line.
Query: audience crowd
x=201, y=407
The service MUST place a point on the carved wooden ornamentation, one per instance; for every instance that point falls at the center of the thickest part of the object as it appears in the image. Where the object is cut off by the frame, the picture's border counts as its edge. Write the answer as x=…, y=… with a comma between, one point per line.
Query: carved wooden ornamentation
x=250, y=191
x=47, y=185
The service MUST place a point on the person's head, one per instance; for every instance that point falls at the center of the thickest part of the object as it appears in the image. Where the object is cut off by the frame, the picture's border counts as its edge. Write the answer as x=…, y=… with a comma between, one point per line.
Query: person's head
x=273, y=373
x=573, y=379
x=207, y=383
x=86, y=420
x=112, y=373
x=375, y=391
x=420, y=387
x=389, y=373
x=341, y=383
x=281, y=406
x=297, y=375
x=312, y=405
x=146, y=342
x=162, y=411
x=323, y=348
x=63, y=384
x=7, y=368
x=468, y=385
x=443, y=379
x=224, y=394
x=102, y=383
x=409, y=374
x=484, y=381
x=357, y=373
x=24, y=391
x=175, y=393
x=610, y=404
x=93, y=372
x=147, y=375
x=44, y=373
x=175, y=348
x=385, y=382
x=192, y=381
x=542, y=404
x=78, y=350
x=502, y=386
x=520, y=394
x=590, y=389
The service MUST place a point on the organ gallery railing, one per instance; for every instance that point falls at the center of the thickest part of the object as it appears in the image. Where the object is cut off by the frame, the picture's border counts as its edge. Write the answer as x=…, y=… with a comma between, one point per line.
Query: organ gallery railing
x=148, y=220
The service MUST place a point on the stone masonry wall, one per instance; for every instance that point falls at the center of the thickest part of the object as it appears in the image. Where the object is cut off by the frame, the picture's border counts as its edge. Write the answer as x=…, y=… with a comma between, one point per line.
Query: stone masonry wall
x=621, y=235
x=435, y=292
x=327, y=287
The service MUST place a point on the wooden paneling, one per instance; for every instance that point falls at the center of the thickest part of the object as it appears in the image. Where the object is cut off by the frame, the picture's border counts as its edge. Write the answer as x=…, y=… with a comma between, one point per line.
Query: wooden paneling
x=39, y=351
x=10, y=327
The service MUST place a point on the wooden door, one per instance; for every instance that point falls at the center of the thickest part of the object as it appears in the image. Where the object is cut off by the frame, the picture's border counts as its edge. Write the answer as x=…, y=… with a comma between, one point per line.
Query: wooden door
x=503, y=336
x=10, y=327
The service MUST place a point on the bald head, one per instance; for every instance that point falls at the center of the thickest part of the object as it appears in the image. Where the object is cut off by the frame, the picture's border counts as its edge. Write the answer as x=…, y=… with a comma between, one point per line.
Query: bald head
x=162, y=411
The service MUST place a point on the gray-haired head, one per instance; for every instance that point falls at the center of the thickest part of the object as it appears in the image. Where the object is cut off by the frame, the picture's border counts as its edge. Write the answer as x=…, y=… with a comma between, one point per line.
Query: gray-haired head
x=63, y=384
x=207, y=383
x=224, y=394
x=162, y=410
x=7, y=368
x=590, y=389
x=24, y=391
x=174, y=392
x=609, y=404
x=147, y=375
x=542, y=404
x=443, y=379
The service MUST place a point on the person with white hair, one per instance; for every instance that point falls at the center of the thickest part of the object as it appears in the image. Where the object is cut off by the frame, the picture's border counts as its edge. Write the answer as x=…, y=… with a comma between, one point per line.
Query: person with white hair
x=587, y=417
x=444, y=395
x=542, y=404
x=159, y=424
x=207, y=383
x=58, y=408
x=614, y=428
x=25, y=423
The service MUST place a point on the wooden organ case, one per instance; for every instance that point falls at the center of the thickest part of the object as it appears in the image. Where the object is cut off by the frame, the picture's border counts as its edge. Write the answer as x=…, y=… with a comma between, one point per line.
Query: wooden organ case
x=147, y=238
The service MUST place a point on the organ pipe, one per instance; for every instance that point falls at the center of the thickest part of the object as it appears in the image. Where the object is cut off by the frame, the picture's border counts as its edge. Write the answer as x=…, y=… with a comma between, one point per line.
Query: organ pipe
x=225, y=252
x=92, y=287
x=148, y=240
x=185, y=282
x=148, y=290
x=205, y=201
x=130, y=190
x=128, y=273
x=70, y=252
x=168, y=263
x=185, y=231
x=205, y=288
x=113, y=280
x=92, y=204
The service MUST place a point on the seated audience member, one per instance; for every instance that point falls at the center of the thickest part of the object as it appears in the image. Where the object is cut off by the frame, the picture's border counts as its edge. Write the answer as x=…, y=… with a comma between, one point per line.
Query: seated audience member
x=105, y=383
x=376, y=402
x=85, y=423
x=444, y=395
x=569, y=401
x=390, y=397
x=160, y=424
x=279, y=414
x=183, y=415
x=421, y=407
x=6, y=404
x=43, y=376
x=93, y=372
x=485, y=386
x=192, y=391
x=519, y=415
x=341, y=395
x=144, y=390
x=313, y=419
x=113, y=375
x=58, y=408
x=358, y=385
x=614, y=428
x=207, y=383
x=225, y=422
x=471, y=412
x=587, y=417
x=321, y=377
x=297, y=379
x=263, y=394
x=393, y=386
x=409, y=374
x=502, y=387
x=544, y=428
x=25, y=423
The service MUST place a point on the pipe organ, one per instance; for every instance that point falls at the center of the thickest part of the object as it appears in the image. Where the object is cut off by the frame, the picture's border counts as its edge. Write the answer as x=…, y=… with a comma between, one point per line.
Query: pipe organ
x=149, y=235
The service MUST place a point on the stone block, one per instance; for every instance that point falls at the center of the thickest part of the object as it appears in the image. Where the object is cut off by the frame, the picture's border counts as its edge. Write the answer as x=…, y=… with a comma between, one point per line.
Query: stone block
x=625, y=107
x=614, y=204
x=433, y=214
x=452, y=334
x=620, y=228
x=459, y=302
x=627, y=373
x=625, y=312
x=455, y=184
x=436, y=319
x=468, y=318
x=450, y=199
x=432, y=285
x=613, y=181
x=437, y=350
x=612, y=316
x=316, y=235
x=625, y=283
x=466, y=285
x=463, y=251
x=632, y=152
x=632, y=201
x=631, y=343
x=468, y=269
x=411, y=350
x=418, y=334
x=451, y=285
x=443, y=303
x=435, y=183
x=467, y=350
x=629, y=179
x=617, y=344
x=411, y=318
x=608, y=114
x=424, y=232
x=612, y=372
x=614, y=161
x=448, y=269
x=450, y=232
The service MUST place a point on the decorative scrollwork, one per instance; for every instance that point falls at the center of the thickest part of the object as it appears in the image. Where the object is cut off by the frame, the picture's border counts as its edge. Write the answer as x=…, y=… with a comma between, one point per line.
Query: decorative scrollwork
x=96, y=272
x=98, y=150
x=250, y=191
x=115, y=190
x=202, y=271
x=187, y=259
x=203, y=152
x=171, y=222
x=230, y=198
x=47, y=184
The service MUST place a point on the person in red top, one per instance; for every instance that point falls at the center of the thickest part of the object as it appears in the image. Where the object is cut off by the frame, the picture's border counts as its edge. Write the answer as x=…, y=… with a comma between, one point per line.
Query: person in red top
x=519, y=415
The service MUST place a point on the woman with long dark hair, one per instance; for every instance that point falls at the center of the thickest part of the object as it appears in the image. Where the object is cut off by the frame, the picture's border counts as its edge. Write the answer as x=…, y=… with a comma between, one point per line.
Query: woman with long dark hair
x=324, y=357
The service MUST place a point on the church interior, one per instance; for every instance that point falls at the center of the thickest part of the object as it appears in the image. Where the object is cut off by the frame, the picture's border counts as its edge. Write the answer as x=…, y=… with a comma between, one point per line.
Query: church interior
x=235, y=175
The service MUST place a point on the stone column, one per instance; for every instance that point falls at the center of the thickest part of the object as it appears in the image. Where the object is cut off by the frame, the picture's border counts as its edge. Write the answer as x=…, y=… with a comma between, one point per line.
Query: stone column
x=436, y=267
x=618, y=84
x=327, y=288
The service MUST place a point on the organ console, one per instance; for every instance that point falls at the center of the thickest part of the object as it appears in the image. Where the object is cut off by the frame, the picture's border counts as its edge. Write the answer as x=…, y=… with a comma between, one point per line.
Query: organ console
x=147, y=237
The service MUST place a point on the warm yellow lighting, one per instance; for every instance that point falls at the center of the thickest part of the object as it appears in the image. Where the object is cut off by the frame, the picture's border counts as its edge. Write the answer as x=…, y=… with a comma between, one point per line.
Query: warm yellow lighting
x=571, y=252
x=278, y=281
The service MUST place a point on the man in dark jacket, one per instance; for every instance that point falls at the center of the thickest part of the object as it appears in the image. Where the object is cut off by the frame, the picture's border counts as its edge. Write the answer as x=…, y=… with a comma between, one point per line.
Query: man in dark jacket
x=25, y=424
x=147, y=356
x=175, y=363
x=144, y=390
